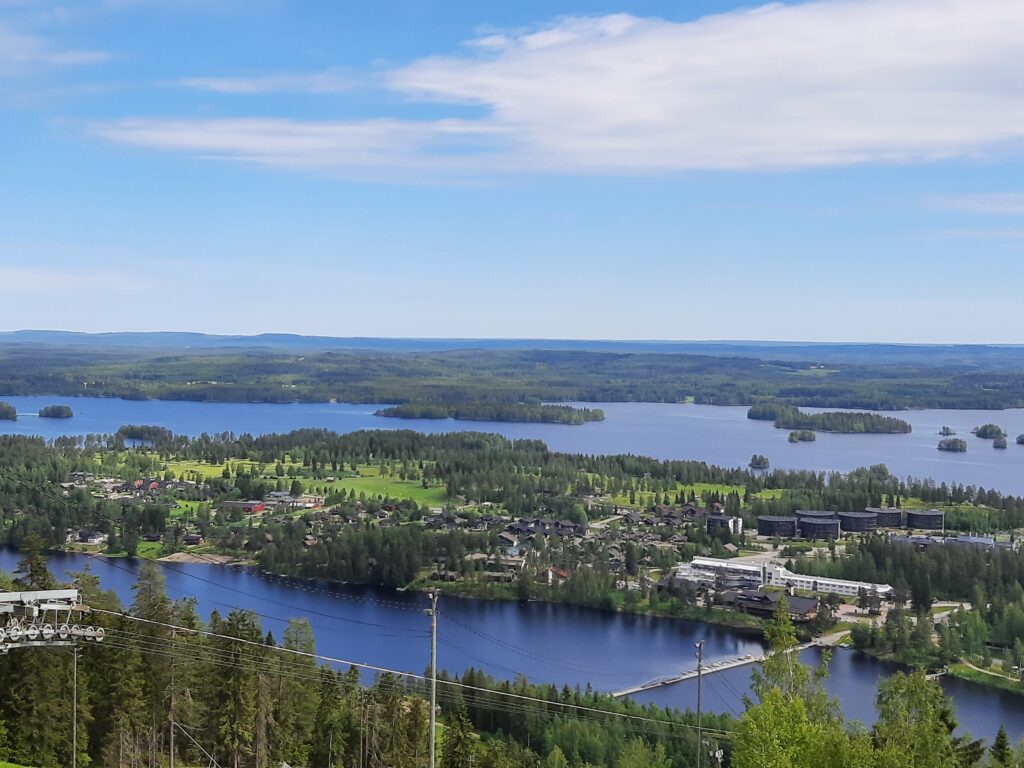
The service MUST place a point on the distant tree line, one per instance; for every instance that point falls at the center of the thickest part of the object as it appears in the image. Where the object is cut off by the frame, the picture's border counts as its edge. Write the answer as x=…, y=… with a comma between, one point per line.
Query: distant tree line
x=504, y=376
x=492, y=411
x=790, y=417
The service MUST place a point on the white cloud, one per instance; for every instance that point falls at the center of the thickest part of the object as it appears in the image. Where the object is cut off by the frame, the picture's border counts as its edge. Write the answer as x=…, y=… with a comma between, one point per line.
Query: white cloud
x=328, y=81
x=998, y=202
x=833, y=82
x=20, y=52
x=291, y=143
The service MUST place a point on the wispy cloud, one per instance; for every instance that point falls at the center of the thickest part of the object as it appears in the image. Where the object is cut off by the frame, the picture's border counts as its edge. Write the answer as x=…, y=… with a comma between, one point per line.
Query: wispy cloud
x=19, y=52
x=999, y=203
x=827, y=83
x=327, y=81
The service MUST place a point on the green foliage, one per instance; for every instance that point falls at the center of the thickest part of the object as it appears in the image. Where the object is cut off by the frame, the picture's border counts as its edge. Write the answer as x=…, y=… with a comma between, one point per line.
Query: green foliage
x=56, y=412
x=953, y=445
x=1002, y=755
x=803, y=436
x=989, y=431
x=795, y=725
x=759, y=461
x=493, y=411
x=790, y=417
x=144, y=432
x=506, y=376
x=8, y=412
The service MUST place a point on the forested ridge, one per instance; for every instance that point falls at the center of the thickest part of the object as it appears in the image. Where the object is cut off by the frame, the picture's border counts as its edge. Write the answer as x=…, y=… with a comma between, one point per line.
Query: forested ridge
x=466, y=376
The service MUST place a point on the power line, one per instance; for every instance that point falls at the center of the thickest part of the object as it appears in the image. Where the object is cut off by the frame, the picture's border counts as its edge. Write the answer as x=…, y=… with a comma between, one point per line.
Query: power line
x=411, y=675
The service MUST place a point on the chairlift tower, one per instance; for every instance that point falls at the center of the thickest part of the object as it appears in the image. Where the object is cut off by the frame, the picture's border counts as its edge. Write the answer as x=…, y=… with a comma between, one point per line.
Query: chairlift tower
x=44, y=619
x=47, y=619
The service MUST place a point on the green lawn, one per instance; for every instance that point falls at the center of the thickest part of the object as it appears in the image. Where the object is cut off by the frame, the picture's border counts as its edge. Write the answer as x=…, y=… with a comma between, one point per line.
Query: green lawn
x=372, y=483
x=369, y=482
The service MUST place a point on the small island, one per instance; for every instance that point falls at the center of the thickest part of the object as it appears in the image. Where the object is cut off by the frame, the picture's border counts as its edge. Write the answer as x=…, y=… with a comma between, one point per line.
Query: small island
x=989, y=431
x=1020, y=439
x=8, y=412
x=757, y=461
x=802, y=436
x=55, y=412
x=953, y=445
x=844, y=422
x=999, y=442
x=488, y=411
x=947, y=431
x=145, y=432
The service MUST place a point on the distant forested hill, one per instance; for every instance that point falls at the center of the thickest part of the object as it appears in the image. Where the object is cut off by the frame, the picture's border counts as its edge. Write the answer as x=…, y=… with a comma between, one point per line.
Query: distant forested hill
x=495, y=376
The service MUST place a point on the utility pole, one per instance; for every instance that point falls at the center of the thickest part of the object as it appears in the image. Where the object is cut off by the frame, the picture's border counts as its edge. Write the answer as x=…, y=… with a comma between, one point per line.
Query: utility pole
x=433, y=678
x=700, y=669
x=74, y=708
x=170, y=713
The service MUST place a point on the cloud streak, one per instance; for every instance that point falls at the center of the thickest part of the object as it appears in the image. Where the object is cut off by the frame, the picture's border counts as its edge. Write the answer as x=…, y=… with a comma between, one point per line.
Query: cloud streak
x=328, y=81
x=827, y=83
x=995, y=203
x=20, y=52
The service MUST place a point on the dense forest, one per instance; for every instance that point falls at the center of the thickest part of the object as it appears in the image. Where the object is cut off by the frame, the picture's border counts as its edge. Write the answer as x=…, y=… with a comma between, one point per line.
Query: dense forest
x=8, y=412
x=254, y=702
x=790, y=417
x=164, y=680
x=953, y=445
x=456, y=377
x=491, y=411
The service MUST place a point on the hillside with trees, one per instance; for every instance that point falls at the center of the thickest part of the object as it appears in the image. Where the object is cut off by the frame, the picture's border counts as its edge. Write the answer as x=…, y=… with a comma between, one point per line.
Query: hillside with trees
x=459, y=376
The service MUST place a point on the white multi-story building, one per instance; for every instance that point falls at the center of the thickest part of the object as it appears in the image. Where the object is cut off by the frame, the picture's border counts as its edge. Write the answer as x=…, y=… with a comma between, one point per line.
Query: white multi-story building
x=770, y=575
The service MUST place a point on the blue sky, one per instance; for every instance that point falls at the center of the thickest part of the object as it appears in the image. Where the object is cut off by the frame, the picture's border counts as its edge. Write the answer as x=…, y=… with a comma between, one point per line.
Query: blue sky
x=832, y=170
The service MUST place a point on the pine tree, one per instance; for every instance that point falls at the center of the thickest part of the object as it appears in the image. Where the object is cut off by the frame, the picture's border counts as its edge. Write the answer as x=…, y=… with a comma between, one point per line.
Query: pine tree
x=457, y=744
x=1000, y=750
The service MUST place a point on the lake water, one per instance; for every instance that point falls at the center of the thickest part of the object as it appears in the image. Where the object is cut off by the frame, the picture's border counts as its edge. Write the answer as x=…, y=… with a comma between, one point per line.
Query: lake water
x=718, y=435
x=547, y=643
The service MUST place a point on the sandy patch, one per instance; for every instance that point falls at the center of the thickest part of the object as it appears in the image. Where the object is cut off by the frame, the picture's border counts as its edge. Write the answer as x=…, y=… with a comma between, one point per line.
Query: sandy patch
x=189, y=557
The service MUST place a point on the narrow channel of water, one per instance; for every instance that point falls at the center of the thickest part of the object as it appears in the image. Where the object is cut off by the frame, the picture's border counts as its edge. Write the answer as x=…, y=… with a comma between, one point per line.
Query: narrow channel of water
x=550, y=643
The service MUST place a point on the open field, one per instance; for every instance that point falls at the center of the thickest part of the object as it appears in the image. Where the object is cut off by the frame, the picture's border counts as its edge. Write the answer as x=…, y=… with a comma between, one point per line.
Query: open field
x=372, y=483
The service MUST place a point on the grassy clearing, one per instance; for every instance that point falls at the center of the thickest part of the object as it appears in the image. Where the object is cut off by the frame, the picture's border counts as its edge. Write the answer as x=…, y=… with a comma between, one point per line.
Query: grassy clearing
x=372, y=483
x=992, y=681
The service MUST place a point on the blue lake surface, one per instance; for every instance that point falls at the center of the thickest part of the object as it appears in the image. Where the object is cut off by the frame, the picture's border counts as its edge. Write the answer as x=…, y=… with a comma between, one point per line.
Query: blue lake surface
x=720, y=435
x=547, y=643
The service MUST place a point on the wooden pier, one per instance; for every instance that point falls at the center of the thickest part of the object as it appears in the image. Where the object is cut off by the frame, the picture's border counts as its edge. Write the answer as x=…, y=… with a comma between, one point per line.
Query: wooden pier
x=709, y=669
